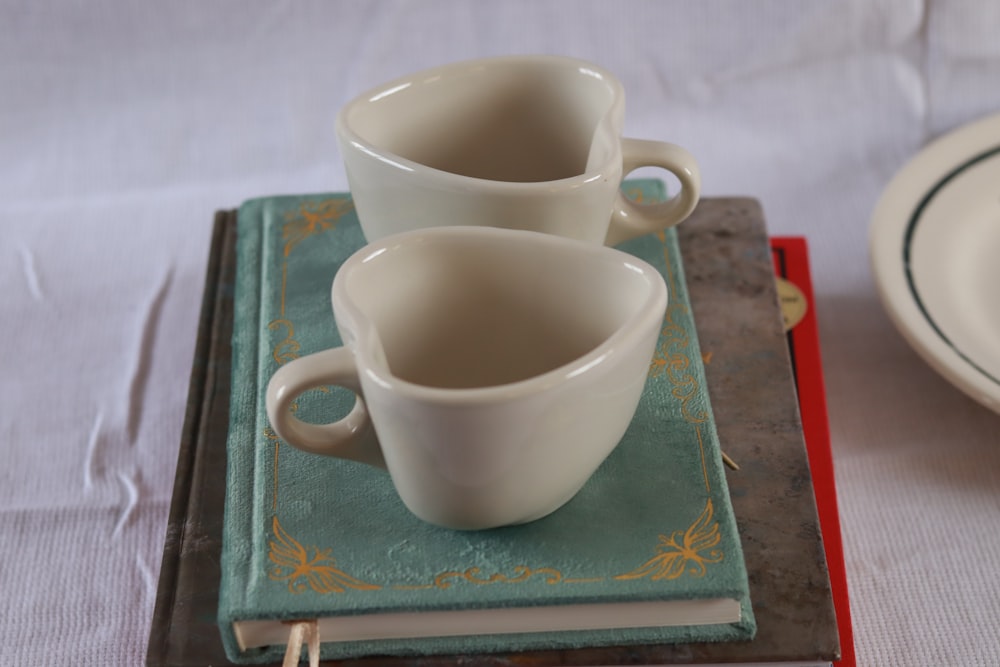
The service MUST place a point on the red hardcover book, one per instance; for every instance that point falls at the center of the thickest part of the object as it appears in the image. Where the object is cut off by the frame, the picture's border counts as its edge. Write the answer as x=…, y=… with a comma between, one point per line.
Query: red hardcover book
x=791, y=264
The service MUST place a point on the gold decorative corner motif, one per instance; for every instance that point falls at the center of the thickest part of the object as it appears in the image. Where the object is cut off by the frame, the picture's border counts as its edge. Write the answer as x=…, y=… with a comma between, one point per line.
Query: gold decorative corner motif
x=671, y=360
x=312, y=218
x=292, y=564
x=684, y=552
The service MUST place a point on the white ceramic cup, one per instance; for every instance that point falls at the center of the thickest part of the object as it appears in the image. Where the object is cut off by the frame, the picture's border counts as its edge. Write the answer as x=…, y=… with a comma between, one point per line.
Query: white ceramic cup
x=529, y=142
x=498, y=367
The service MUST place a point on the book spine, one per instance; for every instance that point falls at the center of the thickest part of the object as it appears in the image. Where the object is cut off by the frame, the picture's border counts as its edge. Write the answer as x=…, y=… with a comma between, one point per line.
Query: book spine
x=194, y=418
x=791, y=259
x=238, y=535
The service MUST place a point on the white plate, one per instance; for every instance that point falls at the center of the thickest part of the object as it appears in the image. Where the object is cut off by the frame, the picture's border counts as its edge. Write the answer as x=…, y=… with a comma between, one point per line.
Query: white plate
x=935, y=248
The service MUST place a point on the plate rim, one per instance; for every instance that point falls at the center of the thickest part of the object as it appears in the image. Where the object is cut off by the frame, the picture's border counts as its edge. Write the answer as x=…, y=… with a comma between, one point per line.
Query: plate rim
x=891, y=228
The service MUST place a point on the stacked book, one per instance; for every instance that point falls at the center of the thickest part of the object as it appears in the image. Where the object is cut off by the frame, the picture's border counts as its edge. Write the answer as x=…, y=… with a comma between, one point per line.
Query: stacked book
x=665, y=556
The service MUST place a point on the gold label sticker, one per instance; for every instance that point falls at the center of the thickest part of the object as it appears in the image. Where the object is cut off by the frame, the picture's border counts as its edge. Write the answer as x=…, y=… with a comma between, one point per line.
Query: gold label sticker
x=793, y=303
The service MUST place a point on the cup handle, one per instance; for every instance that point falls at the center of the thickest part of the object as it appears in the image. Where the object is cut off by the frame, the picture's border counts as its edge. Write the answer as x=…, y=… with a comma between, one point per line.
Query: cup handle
x=349, y=438
x=629, y=219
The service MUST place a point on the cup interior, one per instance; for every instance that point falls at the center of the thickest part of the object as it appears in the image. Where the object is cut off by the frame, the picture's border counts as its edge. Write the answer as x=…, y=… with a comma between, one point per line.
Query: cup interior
x=516, y=121
x=460, y=314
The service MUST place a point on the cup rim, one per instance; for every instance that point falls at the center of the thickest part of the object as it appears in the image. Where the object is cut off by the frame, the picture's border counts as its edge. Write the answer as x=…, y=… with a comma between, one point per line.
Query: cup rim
x=346, y=135
x=649, y=314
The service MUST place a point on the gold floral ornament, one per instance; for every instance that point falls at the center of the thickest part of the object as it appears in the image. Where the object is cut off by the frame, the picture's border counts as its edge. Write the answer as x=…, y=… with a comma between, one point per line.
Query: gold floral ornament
x=312, y=218
x=671, y=360
x=635, y=194
x=685, y=551
x=319, y=573
x=287, y=349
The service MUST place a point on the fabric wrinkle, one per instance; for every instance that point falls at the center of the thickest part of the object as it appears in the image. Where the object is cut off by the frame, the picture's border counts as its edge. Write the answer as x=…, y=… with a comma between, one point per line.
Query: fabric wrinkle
x=131, y=487
x=146, y=574
x=95, y=442
x=143, y=356
x=31, y=273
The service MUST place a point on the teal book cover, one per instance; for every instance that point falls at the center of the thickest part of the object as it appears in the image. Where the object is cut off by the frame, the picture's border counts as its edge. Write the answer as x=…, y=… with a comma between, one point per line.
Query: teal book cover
x=310, y=537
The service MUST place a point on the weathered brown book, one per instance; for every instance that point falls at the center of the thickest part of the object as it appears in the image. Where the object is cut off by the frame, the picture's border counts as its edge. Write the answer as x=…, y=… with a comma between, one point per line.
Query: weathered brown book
x=730, y=279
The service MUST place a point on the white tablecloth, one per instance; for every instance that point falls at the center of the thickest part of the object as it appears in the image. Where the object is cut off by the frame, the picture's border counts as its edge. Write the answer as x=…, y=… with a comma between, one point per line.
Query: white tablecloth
x=124, y=125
